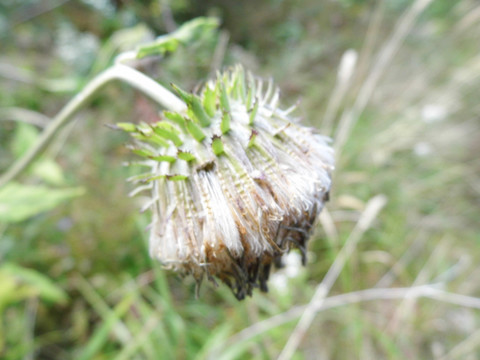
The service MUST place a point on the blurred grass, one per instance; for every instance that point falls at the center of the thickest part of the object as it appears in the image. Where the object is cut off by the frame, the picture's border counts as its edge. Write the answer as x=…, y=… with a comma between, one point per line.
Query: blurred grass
x=416, y=142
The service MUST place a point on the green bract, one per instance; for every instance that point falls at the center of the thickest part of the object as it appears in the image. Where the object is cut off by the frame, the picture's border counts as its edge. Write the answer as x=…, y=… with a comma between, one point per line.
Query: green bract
x=235, y=181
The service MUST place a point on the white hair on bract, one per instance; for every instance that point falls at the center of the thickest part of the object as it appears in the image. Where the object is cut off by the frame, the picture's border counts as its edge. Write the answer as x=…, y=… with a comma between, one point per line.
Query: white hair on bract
x=235, y=181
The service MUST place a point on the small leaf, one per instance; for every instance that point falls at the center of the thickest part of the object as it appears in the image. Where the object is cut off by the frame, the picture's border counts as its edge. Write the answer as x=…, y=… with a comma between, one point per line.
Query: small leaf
x=19, y=202
x=237, y=89
x=193, y=30
x=176, y=177
x=49, y=171
x=209, y=98
x=253, y=112
x=186, y=34
x=199, y=112
x=225, y=124
x=166, y=158
x=217, y=146
x=25, y=136
x=173, y=177
x=161, y=47
x=145, y=129
x=224, y=97
x=128, y=127
x=186, y=96
x=195, y=130
x=44, y=287
x=168, y=132
x=143, y=152
x=145, y=177
x=215, y=340
x=165, y=125
x=100, y=336
x=152, y=138
x=241, y=84
x=183, y=155
x=176, y=118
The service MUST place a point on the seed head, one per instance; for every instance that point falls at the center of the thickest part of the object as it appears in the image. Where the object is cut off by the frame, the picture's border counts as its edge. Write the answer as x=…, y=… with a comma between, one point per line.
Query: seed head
x=235, y=182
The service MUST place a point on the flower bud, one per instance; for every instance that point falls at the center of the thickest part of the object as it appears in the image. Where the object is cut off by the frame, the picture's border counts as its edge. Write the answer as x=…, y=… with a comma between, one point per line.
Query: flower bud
x=235, y=182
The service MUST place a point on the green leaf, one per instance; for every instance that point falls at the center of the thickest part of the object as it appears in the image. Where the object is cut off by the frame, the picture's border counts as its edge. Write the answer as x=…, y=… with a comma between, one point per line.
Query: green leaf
x=49, y=171
x=166, y=158
x=127, y=127
x=161, y=47
x=173, y=177
x=19, y=202
x=183, y=155
x=168, y=132
x=143, y=153
x=225, y=124
x=215, y=340
x=25, y=136
x=184, y=95
x=237, y=89
x=144, y=128
x=38, y=283
x=176, y=118
x=195, y=130
x=217, y=146
x=8, y=291
x=193, y=30
x=152, y=138
x=240, y=88
x=44, y=168
x=176, y=177
x=253, y=112
x=199, y=112
x=224, y=97
x=145, y=177
x=190, y=32
x=102, y=332
x=209, y=97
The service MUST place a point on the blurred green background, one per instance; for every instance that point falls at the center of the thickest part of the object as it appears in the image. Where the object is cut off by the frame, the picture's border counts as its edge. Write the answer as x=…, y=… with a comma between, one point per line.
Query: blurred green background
x=394, y=82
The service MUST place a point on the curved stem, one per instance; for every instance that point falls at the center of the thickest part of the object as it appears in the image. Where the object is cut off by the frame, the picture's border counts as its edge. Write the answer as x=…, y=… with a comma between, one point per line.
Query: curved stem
x=117, y=72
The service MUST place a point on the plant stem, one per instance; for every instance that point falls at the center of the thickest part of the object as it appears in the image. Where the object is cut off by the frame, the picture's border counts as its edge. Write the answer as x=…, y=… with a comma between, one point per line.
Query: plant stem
x=370, y=213
x=117, y=72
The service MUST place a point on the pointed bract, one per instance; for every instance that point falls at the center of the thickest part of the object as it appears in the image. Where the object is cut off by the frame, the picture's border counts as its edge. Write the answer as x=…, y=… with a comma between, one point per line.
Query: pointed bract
x=217, y=146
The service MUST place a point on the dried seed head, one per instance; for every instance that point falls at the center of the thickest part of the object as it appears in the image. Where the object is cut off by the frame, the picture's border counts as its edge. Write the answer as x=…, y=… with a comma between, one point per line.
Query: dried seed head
x=235, y=182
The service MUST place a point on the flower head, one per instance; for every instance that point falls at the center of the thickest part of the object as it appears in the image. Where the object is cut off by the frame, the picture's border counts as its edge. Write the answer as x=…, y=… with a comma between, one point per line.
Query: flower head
x=235, y=181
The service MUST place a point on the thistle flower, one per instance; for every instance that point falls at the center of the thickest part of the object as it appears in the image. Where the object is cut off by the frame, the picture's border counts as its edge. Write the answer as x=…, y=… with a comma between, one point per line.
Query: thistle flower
x=235, y=182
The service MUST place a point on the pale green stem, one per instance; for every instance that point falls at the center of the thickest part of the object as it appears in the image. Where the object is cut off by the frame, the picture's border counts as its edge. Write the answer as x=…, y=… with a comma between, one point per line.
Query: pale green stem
x=117, y=72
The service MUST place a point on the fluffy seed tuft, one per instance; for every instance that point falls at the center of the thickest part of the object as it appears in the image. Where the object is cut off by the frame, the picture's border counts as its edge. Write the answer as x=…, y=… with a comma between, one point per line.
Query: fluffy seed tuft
x=235, y=182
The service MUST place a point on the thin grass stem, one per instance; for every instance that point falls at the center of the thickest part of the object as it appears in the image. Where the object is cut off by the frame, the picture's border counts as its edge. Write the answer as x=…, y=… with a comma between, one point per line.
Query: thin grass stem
x=403, y=27
x=364, y=223
x=430, y=291
x=118, y=72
